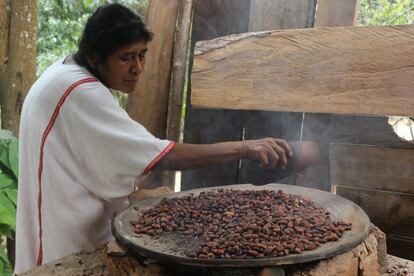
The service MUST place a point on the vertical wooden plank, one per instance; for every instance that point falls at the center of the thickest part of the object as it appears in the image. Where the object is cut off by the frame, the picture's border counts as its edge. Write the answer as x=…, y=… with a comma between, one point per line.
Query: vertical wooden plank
x=212, y=19
x=281, y=14
x=329, y=13
x=148, y=104
x=175, y=101
x=271, y=15
x=333, y=13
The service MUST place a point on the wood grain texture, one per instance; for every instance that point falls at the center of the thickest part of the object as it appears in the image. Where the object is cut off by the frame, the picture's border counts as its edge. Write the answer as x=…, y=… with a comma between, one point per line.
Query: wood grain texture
x=4, y=32
x=274, y=15
x=334, y=13
x=218, y=18
x=212, y=19
x=372, y=167
x=348, y=70
x=20, y=69
x=281, y=14
x=149, y=103
x=329, y=13
x=178, y=74
x=392, y=212
x=364, y=130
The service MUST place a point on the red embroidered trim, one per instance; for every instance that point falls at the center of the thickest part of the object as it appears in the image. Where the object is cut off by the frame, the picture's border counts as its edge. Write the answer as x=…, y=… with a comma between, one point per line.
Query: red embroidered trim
x=39, y=174
x=159, y=157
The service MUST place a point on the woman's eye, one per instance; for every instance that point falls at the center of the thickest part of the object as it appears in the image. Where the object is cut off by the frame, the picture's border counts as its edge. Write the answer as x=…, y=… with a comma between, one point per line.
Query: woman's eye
x=127, y=58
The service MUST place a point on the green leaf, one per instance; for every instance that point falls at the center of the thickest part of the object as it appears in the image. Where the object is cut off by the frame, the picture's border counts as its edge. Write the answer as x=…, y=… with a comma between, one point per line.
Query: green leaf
x=4, y=154
x=7, y=211
x=3, y=255
x=5, y=181
x=8, y=270
x=12, y=194
x=14, y=156
x=2, y=265
x=5, y=231
x=5, y=266
x=6, y=135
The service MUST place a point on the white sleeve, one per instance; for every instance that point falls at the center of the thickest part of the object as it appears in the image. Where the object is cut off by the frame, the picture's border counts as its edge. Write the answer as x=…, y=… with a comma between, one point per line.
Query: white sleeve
x=112, y=148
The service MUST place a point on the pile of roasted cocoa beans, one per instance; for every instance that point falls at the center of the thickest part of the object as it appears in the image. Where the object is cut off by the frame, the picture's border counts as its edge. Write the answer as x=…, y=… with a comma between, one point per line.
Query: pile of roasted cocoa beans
x=243, y=224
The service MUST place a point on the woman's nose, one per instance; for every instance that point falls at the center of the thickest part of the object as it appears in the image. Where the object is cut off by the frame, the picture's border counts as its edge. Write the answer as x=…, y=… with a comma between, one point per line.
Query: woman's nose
x=137, y=66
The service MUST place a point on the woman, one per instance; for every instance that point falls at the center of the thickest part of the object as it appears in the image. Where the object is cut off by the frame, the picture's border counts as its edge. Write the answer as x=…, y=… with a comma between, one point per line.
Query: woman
x=81, y=154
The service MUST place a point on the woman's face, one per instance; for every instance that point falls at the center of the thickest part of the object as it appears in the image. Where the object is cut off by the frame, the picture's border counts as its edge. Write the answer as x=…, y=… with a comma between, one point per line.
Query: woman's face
x=121, y=70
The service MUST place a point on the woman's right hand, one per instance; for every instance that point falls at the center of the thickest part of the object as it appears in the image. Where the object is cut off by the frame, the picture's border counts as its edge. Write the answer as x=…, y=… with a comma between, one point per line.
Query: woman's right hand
x=269, y=151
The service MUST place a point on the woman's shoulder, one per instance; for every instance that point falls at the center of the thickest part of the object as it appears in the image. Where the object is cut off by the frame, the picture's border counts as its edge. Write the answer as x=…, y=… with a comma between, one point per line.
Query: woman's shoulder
x=61, y=76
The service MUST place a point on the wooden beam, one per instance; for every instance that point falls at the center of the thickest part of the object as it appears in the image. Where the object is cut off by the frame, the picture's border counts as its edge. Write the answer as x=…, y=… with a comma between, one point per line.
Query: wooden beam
x=149, y=103
x=362, y=70
x=372, y=167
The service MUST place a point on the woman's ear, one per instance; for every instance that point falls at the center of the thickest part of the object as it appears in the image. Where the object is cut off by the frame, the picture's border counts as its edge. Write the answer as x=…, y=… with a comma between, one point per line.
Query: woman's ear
x=92, y=62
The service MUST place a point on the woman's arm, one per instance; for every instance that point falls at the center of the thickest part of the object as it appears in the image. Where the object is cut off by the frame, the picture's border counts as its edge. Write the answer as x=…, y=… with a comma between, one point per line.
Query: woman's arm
x=269, y=151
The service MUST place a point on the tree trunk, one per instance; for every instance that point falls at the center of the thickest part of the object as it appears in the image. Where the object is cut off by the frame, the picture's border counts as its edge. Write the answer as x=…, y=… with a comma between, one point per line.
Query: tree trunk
x=18, y=32
x=4, y=32
x=20, y=68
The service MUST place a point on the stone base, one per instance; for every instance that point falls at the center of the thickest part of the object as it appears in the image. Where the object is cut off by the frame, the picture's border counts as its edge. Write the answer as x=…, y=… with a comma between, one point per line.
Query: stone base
x=369, y=258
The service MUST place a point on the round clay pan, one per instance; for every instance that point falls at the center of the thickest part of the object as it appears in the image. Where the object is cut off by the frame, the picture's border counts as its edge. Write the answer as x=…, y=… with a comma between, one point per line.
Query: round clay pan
x=171, y=248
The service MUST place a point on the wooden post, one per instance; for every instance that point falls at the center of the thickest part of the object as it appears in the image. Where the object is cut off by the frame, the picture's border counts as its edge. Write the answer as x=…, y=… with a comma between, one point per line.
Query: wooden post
x=178, y=77
x=148, y=104
x=175, y=103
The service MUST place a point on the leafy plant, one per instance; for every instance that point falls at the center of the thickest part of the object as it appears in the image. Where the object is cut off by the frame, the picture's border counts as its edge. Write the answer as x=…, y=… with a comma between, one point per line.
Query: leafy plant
x=386, y=12
x=9, y=171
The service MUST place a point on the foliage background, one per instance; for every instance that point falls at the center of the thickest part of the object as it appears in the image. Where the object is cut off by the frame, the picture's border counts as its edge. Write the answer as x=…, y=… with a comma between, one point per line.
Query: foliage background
x=9, y=170
x=386, y=12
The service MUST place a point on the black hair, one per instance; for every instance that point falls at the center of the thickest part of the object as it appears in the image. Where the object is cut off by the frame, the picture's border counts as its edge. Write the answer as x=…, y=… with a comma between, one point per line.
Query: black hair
x=109, y=28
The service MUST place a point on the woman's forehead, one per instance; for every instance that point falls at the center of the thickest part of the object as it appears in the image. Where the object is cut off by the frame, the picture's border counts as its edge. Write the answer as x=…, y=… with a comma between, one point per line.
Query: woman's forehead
x=135, y=47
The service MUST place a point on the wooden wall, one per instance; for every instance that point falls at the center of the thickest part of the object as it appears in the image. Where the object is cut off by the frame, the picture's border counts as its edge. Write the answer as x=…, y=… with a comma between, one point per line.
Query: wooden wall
x=388, y=199
x=212, y=19
x=380, y=180
x=219, y=18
